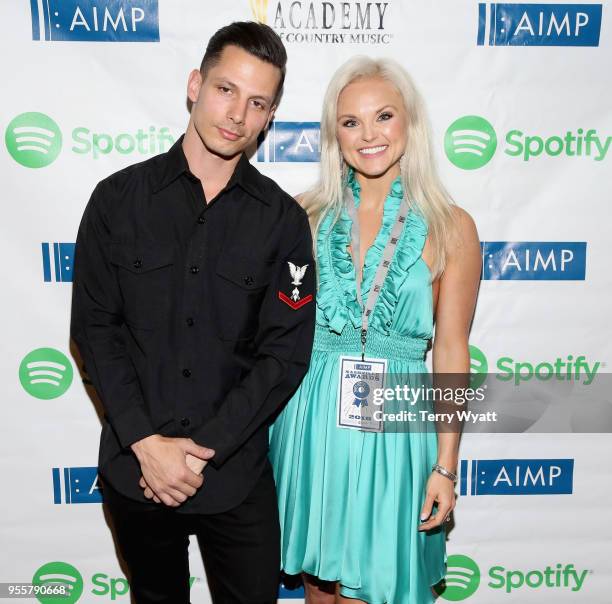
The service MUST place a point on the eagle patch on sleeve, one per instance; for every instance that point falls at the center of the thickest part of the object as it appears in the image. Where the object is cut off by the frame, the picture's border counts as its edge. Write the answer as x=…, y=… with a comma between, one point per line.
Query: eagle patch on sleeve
x=295, y=300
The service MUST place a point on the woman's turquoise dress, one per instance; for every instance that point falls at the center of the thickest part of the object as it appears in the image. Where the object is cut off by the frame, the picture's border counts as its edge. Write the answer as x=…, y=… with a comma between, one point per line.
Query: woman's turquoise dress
x=350, y=500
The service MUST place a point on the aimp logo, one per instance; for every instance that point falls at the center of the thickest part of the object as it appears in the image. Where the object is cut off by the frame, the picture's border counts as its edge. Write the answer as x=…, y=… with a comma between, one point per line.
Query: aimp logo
x=58, y=261
x=534, y=260
x=516, y=477
x=259, y=8
x=512, y=24
x=95, y=20
x=60, y=574
x=80, y=485
x=45, y=373
x=470, y=142
x=33, y=139
x=462, y=578
x=290, y=142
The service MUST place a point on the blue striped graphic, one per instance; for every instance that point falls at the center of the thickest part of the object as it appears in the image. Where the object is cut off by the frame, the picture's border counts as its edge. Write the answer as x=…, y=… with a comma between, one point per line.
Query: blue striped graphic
x=493, y=19
x=96, y=20
x=482, y=21
x=56, y=256
x=521, y=24
x=534, y=260
x=80, y=485
x=58, y=261
x=57, y=489
x=290, y=142
x=67, y=494
x=516, y=477
x=35, y=20
x=46, y=262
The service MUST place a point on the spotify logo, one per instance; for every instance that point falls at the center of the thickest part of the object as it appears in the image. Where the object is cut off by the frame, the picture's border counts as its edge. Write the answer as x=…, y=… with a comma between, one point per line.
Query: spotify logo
x=45, y=373
x=462, y=578
x=60, y=574
x=33, y=140
x=470, y=142
x=479, y=367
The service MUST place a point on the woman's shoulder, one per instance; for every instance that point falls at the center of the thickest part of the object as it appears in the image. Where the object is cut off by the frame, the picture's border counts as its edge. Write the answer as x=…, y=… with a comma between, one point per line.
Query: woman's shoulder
x=464, y=241
x=462, y=229
x=462, y=219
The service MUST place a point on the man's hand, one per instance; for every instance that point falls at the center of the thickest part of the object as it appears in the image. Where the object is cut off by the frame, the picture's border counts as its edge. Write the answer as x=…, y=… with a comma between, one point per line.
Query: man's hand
x=195, y=464
x=163, y=462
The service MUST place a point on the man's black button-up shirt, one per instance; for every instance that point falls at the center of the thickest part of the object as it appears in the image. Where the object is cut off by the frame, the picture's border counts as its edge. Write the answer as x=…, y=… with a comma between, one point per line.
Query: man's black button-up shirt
x=193, y=319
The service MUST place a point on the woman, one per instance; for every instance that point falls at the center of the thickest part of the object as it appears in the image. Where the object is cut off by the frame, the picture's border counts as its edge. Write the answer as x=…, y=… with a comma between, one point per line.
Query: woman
x=361, y=510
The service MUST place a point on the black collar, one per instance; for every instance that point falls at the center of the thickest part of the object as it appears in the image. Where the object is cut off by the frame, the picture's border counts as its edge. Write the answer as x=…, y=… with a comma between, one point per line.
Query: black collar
x=173, y=163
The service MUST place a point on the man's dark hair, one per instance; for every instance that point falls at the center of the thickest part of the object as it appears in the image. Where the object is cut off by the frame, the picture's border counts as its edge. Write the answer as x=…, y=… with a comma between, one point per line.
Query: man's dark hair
x=255, y=38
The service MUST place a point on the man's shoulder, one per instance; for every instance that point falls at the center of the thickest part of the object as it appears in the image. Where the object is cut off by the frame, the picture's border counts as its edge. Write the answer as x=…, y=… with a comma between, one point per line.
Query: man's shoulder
x=273, y=193
x=138, y=175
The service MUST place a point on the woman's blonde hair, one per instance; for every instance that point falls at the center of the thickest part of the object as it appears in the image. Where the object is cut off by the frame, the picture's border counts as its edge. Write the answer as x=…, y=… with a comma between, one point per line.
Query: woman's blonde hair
x=420, y=180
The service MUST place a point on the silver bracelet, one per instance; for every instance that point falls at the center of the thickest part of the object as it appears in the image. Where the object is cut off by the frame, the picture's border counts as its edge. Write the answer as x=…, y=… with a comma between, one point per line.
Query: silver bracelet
x=442, y=470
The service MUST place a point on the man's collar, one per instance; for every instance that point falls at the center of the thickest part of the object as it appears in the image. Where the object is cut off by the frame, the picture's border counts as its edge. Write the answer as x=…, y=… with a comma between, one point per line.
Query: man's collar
x=173, y=163
x=170, y=165
x=248, y=178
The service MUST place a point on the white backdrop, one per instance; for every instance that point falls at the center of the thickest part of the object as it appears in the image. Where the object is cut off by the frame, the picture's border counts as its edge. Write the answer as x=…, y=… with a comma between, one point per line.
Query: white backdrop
x=537, y=75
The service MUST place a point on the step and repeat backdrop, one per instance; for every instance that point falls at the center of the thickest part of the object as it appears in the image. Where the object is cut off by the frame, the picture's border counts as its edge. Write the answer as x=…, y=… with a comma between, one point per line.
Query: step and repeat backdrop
x=519, y=99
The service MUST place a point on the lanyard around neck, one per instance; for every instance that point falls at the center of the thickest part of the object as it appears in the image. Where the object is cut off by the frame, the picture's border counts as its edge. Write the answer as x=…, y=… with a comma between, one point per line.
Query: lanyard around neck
x=383, y=267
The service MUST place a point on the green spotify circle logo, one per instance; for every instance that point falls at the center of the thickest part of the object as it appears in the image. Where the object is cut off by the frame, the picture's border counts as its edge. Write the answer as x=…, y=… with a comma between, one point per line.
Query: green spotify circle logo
x=33, y=139
x=462, y=578
x=470, y=142
x=479, y=367
x=45, y=373
x=61, y=577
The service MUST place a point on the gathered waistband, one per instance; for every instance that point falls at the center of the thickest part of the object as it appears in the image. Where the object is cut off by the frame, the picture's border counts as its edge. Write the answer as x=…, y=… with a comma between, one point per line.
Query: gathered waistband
x=392, y=346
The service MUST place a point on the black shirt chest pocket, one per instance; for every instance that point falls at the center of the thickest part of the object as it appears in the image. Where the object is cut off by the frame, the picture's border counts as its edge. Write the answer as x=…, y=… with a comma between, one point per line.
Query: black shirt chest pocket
x=241, y=284
x=145, y=281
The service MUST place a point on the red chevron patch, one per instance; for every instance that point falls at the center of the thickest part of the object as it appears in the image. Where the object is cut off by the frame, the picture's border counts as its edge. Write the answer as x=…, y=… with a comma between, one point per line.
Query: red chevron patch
x=295, y=305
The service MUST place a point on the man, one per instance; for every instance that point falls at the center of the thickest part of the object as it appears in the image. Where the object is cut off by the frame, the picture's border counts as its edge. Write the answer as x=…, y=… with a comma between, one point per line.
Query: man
x=193, y=310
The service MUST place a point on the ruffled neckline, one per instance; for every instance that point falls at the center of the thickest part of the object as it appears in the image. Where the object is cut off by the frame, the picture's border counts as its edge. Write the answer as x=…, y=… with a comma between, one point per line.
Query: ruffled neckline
x=396, y=190
x=337, y=292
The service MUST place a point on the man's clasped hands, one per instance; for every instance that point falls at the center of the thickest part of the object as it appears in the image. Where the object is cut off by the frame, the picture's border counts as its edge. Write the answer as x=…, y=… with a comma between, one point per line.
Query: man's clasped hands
x=171, y=468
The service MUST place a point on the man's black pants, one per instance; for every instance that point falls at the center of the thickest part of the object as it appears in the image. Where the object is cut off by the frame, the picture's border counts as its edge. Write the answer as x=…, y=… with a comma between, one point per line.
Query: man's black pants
x=240, y=548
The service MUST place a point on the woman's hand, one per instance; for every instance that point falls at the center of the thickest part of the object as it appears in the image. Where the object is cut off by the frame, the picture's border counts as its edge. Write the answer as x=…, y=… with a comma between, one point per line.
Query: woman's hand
x=442, y=491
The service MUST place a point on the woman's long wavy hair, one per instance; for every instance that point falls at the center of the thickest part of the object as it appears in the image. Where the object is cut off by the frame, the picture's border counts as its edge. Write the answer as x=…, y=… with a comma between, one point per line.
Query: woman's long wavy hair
x=420, y=180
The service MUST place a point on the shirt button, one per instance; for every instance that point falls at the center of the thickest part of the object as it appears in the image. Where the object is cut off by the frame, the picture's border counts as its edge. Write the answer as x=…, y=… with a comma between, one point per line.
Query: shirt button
x=195, y=269
x=185, y=422
x=201, y=220
x=190, y=321
x=137, y=263
x=248, y=280
x=187, y=372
